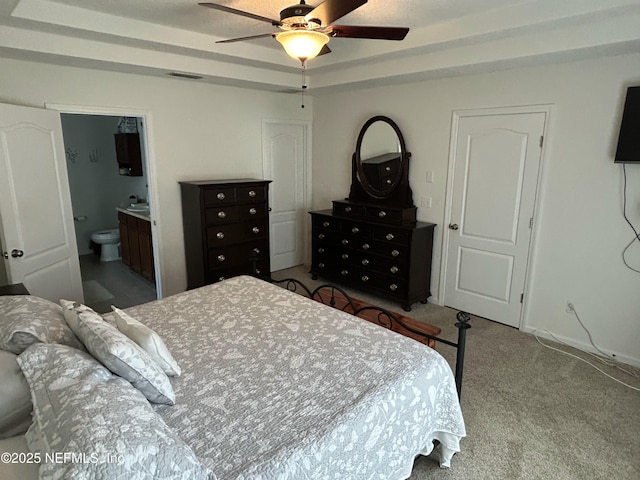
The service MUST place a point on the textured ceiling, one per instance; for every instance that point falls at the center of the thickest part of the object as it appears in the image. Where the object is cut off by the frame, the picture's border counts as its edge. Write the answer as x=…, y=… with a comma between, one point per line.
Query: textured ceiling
x=446, y=36
x=188, y=15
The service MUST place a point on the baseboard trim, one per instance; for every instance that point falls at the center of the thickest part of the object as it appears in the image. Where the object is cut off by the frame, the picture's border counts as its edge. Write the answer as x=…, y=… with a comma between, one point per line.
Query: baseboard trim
x=585, y=347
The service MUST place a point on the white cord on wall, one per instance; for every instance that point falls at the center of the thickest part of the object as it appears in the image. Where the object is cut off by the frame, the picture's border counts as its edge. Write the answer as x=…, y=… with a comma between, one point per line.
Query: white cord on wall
x=605, y=358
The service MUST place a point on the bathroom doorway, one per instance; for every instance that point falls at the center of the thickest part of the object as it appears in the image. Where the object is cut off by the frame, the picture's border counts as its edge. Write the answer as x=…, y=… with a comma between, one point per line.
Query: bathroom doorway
x=105, y=198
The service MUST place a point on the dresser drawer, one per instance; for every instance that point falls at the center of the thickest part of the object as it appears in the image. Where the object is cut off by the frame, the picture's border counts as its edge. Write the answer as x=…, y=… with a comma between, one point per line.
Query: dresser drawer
x=228, y=234
x=361, y=278
x=390, y=234
x=221, y=214
x=399, y=252
x=235, y=255
x=356, y=228
x=250, y=194
x=220, y=274
x=384, y=215
x=325, y=223
x=349, y=210
x=219, y=195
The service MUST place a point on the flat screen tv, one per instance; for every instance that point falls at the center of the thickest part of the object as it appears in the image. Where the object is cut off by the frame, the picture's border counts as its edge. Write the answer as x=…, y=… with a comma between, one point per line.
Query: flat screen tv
x=628, y=150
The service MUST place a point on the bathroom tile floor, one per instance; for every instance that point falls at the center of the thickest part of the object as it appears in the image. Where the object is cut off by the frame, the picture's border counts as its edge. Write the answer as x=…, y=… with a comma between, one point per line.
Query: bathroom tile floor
x=125, y=287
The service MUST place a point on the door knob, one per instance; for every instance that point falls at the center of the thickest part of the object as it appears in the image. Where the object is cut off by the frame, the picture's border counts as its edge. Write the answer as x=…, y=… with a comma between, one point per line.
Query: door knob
x=5, y=254
x=16, y=253
x=453, y=226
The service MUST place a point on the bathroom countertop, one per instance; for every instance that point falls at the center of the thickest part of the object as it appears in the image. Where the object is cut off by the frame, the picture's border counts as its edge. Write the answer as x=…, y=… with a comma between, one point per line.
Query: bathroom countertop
x=143, y=216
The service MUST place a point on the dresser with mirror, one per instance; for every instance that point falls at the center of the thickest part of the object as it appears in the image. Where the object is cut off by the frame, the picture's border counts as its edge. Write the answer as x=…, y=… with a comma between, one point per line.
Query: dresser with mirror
x=371, y=240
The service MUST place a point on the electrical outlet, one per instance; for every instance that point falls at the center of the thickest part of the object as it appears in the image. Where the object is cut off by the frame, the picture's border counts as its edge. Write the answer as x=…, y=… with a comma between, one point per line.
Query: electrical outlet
x=569, y=308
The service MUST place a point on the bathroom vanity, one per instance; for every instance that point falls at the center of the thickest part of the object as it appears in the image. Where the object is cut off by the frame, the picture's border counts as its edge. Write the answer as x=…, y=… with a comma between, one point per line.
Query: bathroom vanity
x=136, y=245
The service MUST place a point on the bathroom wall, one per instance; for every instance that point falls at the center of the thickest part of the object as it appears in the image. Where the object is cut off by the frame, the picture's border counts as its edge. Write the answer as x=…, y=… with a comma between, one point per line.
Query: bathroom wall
x=96, y=187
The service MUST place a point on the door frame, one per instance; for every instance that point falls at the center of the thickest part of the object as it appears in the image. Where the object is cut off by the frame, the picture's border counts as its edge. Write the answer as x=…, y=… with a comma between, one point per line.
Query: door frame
x=306, y=175
x=537, y=208
x=149, y=165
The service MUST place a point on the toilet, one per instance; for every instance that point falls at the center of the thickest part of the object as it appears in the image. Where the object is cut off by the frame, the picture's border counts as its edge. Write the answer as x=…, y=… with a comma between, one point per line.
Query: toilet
x=109, y=241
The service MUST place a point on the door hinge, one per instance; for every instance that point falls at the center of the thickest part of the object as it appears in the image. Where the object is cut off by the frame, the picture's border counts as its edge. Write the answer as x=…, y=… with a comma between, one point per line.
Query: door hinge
x=521, y=297
x=541, y=140
x=531, y=223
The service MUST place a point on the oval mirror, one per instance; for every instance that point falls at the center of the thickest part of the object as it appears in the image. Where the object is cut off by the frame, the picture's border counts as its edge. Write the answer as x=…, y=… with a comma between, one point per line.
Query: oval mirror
x=380, y=153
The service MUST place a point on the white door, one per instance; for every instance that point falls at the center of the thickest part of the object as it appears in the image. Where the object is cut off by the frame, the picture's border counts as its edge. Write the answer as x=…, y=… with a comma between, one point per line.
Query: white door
x=285, y=157
x=38, y=236
x=494, y=180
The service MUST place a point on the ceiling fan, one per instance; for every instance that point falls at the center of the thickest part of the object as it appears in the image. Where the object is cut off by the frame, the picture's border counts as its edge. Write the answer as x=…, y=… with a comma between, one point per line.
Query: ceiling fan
x=306, y=30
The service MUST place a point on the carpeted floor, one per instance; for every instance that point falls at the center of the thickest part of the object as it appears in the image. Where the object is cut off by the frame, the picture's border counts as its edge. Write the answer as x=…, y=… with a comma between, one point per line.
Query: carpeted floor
x=530, y=412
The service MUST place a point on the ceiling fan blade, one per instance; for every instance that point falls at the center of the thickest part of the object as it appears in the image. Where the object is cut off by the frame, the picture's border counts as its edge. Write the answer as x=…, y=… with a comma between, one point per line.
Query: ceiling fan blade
x=324, y=50
x=331, y=10
x=250, y=37
x=378, y=33
x=275, y=23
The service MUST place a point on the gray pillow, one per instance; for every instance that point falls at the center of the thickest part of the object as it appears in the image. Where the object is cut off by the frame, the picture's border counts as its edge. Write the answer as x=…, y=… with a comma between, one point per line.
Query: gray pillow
x=26, y=319
x=81, y=407
x=123, y=357
x=15, y=397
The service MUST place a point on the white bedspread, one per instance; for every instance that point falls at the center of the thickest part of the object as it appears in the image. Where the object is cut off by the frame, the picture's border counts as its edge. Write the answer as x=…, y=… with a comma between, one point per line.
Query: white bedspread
x=276, y=386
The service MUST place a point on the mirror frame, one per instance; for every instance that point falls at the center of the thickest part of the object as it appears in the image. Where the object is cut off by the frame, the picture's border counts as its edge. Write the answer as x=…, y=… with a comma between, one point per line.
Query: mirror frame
x=404, y=157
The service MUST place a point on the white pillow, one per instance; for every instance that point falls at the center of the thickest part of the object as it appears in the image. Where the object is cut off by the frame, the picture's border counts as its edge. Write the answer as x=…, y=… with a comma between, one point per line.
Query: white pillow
x=149, y=340
x=70, y=310
x=124, y=357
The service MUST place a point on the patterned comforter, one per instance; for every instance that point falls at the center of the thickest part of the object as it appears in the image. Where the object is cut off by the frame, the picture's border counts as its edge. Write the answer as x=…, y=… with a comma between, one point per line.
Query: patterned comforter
x=277, y=386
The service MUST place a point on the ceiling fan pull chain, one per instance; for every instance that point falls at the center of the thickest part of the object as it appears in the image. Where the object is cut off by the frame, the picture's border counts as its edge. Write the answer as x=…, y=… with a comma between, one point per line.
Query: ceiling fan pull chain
x=304, y=86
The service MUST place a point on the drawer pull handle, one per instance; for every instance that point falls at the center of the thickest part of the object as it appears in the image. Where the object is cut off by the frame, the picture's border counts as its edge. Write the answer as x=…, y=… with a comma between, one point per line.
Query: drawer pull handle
x=389, y=181
x=220, y=235
x=321, y=265
x=345, y=256
x=321, y=250
x=365, y=246
x=321, y=236
x=256, y=251
x=253, y=211
x=221, y=196
x=347, y=209
x=344, y=272
x=393, y=287
x=387, y=169
x=395, y=253
x=255, y=230
x=394, y=269
x=365, y=262
x=325, y=224
x=389, y=236
x=252, y=193
x=365, y=278
x=258, y=271
x=382, y=214
x=355, y=230
x=221, y=258
x=222, y=214
x=345, y=241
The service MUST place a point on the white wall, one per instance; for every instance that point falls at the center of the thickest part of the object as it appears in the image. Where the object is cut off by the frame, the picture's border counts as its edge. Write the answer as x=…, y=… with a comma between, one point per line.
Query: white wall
x=195, y=131
x=580, y=232
x=96, y=186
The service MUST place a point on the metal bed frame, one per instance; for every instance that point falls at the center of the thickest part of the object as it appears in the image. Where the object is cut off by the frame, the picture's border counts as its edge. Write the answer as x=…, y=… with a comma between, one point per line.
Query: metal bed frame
x=338, y=298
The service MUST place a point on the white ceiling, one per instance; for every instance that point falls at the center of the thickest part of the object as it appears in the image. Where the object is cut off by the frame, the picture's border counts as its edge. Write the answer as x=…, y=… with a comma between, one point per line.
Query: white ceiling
x=447, y=36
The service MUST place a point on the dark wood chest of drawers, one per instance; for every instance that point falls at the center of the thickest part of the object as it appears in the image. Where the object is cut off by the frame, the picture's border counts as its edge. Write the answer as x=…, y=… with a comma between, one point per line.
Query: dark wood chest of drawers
x=393, y=261
x=226, y=226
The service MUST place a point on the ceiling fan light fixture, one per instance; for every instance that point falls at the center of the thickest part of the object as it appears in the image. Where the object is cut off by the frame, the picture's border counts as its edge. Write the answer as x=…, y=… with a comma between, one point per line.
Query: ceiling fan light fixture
x=302, y=44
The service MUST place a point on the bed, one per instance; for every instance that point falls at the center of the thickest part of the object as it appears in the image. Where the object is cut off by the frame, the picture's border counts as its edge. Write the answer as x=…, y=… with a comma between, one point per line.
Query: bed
x=273, y=385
